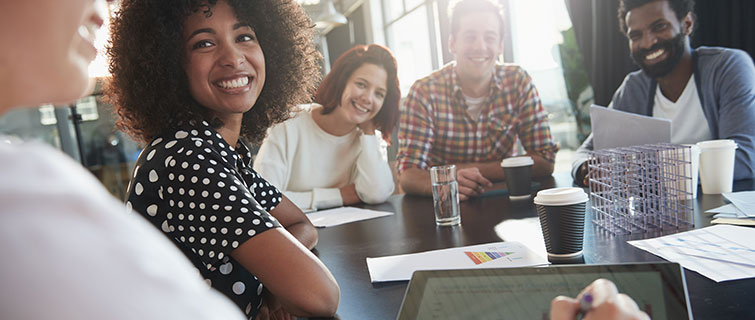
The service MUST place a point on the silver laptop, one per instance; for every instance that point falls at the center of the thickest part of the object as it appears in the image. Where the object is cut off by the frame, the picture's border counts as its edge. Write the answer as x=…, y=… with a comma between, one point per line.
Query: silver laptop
x=612, y=128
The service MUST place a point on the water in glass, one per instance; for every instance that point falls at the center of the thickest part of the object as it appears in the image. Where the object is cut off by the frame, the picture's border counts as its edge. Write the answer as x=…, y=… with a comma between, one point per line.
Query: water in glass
x=446, y=201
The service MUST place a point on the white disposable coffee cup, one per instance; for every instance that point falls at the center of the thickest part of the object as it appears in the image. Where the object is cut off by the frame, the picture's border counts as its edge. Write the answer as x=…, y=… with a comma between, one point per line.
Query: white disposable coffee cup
x=693, y=169
x=717, y=165
x=682, y=171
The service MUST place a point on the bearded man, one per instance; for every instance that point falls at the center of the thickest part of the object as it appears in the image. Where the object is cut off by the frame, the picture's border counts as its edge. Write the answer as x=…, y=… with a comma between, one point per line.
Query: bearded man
x=707, y=93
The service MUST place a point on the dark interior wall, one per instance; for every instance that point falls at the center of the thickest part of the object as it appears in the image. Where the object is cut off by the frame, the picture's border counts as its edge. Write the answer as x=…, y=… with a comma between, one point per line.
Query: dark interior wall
x=725, y=23
x=344, y=37
x=603, y=47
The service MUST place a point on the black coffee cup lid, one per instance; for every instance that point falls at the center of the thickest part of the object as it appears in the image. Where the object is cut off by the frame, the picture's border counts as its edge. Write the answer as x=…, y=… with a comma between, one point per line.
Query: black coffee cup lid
x=517, y=162
x=560, y=196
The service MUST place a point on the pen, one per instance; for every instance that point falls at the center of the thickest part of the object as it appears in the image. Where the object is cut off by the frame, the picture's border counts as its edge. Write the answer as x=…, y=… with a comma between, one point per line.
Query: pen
x=585, y=304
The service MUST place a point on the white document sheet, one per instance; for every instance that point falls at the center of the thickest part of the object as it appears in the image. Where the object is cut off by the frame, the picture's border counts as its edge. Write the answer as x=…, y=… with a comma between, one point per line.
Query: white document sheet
x=744, y=201
x=727, y=211
x=334, y=217
x=491, y=255
x=720, y=252
x=612, y=128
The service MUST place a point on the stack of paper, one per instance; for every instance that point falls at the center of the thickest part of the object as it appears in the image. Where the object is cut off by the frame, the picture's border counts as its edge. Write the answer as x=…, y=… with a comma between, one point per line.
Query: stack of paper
x=721, y=252
x=491, y=255
x=337, y=216
x=741, y=211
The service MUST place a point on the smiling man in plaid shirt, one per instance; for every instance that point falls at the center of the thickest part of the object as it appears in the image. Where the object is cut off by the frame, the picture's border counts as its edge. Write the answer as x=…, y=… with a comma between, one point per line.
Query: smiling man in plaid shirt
x=471, y=112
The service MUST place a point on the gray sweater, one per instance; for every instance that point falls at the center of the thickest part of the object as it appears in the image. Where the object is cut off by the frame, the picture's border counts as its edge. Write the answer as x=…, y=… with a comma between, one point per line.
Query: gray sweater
x=725, y=80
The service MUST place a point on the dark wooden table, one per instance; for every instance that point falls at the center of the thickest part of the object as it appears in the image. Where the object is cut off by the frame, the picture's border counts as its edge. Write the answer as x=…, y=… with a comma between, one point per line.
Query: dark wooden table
x=412, y=229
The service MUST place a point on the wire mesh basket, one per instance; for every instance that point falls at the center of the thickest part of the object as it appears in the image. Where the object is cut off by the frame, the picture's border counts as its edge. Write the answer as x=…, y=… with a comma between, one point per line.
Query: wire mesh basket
x=642, y=188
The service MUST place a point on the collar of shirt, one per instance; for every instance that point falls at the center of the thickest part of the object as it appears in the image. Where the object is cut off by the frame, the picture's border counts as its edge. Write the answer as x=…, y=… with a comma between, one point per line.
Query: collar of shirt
x=495, y=85
x=245, y=159
x=239, y=156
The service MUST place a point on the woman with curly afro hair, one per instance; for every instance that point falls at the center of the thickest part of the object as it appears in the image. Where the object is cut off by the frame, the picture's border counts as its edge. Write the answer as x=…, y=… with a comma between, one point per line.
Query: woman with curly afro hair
x=359, y=96
x=193, y=80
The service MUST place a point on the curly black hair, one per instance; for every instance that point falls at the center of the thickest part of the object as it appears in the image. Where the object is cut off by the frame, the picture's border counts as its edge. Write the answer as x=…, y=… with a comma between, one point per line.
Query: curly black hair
x=680, y=7
x=149, y=87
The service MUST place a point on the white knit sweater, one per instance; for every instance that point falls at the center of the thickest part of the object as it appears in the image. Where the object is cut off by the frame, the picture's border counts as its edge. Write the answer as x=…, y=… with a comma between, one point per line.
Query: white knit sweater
x=310, y=165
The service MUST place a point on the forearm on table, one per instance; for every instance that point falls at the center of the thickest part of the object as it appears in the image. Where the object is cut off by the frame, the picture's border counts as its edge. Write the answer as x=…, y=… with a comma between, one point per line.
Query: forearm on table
x=415, y=181
x=491, y=170
x=373, y=179
x=375, y=190
x=285, y=277
x=349, y=195
x=302, y=200
x=541, y=167
x=305, y=232
x=581, y=156
x=295, y=222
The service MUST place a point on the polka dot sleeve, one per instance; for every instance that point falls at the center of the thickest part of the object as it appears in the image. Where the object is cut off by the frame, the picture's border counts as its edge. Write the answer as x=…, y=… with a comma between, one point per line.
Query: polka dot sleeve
x=189, y=186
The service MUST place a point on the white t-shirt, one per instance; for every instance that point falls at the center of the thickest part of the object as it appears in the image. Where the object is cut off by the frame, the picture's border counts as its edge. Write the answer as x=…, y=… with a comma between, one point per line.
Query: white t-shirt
x=310, y=165
x=474, y=106
x=688, y=122
x=69, y=250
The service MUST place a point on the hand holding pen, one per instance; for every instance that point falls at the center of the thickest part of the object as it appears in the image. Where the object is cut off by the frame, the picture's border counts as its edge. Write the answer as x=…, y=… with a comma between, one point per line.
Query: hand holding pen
x=599, y=300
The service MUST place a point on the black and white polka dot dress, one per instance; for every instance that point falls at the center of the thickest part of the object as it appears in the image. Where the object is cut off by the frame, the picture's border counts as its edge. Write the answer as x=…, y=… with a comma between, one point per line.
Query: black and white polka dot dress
x=204, y=195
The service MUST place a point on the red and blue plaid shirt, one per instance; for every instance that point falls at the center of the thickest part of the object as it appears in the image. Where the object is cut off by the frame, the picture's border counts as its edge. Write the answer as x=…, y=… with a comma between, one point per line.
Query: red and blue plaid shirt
x=435, y=128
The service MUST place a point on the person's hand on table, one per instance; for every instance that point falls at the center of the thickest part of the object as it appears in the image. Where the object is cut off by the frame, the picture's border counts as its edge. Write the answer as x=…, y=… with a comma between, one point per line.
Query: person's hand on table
x=271, y=309
x=471, y=182
x=607, y=303
x=583, y=170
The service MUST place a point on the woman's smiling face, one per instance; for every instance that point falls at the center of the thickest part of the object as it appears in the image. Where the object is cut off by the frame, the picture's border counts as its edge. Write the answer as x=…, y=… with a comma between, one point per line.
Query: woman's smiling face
x=363, y=95
x=225, y=65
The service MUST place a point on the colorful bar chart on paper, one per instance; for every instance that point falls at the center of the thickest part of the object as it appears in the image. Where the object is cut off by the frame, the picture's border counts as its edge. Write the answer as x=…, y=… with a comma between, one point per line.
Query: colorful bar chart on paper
x=479, y=257
x=486, y=255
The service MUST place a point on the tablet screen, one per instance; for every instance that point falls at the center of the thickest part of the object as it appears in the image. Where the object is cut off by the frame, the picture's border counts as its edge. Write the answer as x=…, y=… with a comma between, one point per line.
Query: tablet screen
x=526, y=293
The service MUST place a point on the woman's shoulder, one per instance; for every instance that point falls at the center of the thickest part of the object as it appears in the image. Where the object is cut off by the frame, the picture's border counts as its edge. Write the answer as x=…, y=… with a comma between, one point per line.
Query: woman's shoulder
x=301, y=122
x=33, y=170
x=303, y=112
x=188, y=145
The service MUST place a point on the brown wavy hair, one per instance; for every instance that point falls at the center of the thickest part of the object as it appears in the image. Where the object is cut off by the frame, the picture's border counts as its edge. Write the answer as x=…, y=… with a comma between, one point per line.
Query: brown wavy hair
x=149, y=87
x=331, y=89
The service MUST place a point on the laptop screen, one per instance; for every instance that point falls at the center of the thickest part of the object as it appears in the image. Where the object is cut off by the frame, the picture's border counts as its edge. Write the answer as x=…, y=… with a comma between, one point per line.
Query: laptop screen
x=526, y=293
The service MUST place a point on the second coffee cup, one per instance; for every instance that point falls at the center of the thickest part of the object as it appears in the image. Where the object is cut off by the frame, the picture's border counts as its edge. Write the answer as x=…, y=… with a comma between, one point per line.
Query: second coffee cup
x=518, y=173
x=717, y=159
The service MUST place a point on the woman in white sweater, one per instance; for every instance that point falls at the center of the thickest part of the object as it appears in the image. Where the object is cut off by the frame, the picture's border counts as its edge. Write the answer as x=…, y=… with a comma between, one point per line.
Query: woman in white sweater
x=330, y=155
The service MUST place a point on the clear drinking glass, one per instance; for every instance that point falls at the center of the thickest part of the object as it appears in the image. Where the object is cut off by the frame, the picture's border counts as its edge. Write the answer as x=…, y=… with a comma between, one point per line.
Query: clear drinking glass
x=445, y=195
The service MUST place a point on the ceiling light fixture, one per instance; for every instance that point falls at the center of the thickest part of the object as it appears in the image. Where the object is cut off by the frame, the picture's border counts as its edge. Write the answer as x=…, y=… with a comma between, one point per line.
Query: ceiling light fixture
x=329, y=17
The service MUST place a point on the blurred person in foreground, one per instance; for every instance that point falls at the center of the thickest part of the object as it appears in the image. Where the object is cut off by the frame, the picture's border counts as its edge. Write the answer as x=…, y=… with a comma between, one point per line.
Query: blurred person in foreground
x=607, y=304
x=69, y=250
